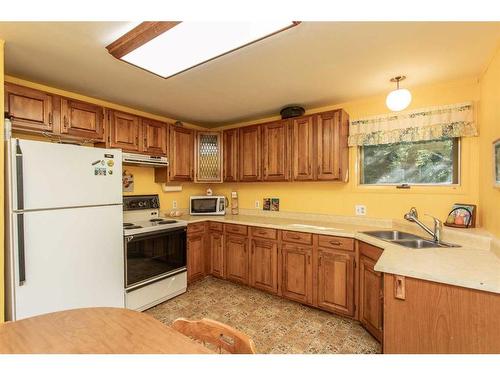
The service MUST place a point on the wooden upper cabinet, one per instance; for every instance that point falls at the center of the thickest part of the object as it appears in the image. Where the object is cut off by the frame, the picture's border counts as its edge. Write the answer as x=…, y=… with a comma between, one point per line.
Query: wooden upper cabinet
x=297, y=273
x=30, y=109
x=264, y=265
x=216, y=244
x=154, y=137
x=181, y=154
x=236, y=254
x=275, y=151
x=336, y=281
x=208, y=157
x=230, y=152
x=82, y=120
x=332, y=158
x=124, y=131
x=250, y=153
x=303, y=148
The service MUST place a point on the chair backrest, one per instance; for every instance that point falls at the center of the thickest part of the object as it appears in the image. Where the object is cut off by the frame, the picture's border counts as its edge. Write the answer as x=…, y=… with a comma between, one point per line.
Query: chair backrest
x=221, y=335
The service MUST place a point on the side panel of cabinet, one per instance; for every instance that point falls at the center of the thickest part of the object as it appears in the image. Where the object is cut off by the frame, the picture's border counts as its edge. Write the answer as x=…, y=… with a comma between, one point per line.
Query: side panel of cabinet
x=216, y=254
x=154, y=136
x=236, y=254
x=336, y=281
x=297, y=273
x=231, y=151
x=264, y=265
x=250, y=154
x=195, y=256
x=124, y=131
x=275, y=151
x=30, y=109
x=303, y=149
x=181, y=154
x=82, y=120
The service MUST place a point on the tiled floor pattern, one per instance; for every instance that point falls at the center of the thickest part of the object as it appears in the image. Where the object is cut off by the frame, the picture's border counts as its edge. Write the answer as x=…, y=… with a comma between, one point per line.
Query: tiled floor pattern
x=275, y=324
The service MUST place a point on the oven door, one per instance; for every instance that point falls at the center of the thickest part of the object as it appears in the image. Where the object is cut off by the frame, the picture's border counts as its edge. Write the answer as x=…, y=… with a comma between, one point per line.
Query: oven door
x=154, y=255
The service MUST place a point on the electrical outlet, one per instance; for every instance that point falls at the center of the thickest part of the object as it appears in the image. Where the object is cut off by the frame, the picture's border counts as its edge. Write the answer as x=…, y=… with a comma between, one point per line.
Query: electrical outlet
x=174, y=204
x=360, y=210
x=257, y=204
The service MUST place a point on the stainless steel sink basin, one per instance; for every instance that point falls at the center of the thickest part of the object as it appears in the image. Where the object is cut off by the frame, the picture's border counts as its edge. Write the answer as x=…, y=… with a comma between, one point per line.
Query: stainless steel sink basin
x=409, y=240
x=392, y=235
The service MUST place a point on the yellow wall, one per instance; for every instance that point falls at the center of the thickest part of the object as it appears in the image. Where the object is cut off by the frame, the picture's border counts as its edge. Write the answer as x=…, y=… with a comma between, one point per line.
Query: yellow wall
x=489, y=115
x=2, y=188
x=388, y=202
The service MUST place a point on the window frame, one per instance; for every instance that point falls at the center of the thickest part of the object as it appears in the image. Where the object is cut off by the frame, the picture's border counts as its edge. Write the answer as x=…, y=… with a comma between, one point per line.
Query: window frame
x=360, y=182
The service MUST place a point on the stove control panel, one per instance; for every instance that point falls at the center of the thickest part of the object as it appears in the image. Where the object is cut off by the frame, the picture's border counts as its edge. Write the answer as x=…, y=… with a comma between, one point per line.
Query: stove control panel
x=140, y=202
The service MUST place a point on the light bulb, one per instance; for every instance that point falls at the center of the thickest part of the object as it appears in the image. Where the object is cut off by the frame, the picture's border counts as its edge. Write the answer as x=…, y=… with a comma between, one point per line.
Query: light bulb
x=398, y=100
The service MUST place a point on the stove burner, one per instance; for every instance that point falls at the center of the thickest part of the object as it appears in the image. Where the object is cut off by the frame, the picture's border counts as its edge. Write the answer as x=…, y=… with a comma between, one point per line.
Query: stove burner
x=133, y=226
x=125, y=225
x=155, y=220
x=167, y=222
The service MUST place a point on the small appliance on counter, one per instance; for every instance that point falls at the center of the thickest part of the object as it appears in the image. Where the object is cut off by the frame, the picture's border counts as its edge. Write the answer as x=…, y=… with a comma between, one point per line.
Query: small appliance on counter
x=155, y=253
x=207, y=205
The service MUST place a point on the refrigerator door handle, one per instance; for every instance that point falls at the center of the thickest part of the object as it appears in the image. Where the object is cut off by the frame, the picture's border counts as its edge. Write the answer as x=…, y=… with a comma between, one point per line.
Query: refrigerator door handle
x=20, y=249
x=19, y=177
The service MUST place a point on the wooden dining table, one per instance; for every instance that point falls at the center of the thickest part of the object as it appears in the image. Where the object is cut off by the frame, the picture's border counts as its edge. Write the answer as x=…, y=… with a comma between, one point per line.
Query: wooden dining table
x=94, y=331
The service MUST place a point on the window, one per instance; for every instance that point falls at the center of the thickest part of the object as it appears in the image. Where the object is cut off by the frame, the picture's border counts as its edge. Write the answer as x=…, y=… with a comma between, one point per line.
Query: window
x=433, y=162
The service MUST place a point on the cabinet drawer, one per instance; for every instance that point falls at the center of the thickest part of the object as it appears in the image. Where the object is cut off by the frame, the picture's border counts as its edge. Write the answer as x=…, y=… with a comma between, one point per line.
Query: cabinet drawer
x=271, y=234
x=332, y=242
x=297, y=237
x=370, y=251
x=236, y=229
x=218, y=227
x=196, y=228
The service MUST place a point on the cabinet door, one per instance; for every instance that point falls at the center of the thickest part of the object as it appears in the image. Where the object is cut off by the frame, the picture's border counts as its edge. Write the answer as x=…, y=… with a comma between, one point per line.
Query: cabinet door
x=236, y=258
x=370, y=297
x=230, y=151
x=264, y=265
x=328, y=145
x=195, y=257
x=30, y=109
x=297, y=273
x=124, y=131
x=336, y=281
x=302, y=149
x=250, y=154
x=82, y=120
x=275, y=151
x=154, y=135
x=208, y=157
x=216, y=254
x=181, y=166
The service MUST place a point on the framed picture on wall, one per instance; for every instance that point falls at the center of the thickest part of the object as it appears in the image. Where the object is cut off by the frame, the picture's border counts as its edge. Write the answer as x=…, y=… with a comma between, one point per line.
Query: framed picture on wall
x=496, y=163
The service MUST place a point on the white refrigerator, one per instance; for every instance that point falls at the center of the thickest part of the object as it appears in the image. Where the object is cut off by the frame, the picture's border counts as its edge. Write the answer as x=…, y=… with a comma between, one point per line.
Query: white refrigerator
x=64, y=228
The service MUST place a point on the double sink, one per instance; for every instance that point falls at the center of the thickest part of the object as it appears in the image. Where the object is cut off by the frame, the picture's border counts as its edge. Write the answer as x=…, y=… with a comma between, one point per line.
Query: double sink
x=407, y=239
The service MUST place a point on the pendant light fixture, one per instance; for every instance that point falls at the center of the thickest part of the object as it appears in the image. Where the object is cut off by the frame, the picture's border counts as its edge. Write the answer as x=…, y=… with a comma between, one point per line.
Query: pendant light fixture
x=398, y=99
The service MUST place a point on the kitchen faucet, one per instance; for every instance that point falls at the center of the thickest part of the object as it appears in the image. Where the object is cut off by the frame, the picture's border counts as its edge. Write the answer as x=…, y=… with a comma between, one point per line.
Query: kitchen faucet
x=412, y=215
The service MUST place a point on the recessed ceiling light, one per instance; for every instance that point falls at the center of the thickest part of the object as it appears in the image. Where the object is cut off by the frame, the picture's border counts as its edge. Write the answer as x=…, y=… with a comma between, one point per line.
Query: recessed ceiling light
x=169, y=48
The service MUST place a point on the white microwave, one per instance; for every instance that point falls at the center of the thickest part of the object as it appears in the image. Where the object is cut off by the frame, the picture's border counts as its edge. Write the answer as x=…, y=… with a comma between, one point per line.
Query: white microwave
x=207, y=205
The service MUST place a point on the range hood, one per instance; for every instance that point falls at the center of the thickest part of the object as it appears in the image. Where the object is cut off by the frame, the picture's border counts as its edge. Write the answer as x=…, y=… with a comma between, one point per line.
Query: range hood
x=144, y=160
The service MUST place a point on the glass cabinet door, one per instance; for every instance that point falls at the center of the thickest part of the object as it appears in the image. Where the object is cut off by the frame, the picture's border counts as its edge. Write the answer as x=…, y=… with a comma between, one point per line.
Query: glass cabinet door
x=208, y=157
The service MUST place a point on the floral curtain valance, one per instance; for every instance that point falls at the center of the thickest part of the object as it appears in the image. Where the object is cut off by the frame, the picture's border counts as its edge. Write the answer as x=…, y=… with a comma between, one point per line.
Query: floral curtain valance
x=450, y=121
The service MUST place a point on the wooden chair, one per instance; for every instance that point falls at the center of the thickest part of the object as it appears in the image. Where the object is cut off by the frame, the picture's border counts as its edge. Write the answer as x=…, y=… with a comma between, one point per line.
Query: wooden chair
x=221, y=335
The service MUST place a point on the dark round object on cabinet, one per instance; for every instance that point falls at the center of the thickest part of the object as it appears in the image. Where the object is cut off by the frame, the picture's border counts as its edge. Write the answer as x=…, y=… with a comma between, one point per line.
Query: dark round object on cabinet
x=293, y=111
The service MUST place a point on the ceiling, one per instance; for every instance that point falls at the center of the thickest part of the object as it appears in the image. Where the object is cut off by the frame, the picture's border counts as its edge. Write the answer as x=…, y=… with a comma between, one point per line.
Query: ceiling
x=313, y=64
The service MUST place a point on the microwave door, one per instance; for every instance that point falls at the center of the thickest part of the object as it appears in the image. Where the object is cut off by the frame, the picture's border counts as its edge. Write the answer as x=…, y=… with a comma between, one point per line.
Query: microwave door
x=204, y=206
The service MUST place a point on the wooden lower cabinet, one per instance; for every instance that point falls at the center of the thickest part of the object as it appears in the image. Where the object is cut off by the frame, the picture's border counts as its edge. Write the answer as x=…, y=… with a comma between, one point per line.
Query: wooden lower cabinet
x=264, y=265
x=297, y=273
x=335, y=283
x=371, y=303
x=426, y=317
x=195, y=256
x=216, y=243
x=236, y=254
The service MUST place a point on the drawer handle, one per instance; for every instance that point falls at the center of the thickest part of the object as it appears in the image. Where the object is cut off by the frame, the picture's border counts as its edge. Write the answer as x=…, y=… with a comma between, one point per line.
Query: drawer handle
x=336, y=243
x=294, y=237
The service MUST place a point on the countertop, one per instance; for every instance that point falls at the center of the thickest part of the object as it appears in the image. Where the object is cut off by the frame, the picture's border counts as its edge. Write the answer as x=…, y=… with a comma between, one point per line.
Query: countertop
x=474, y=265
